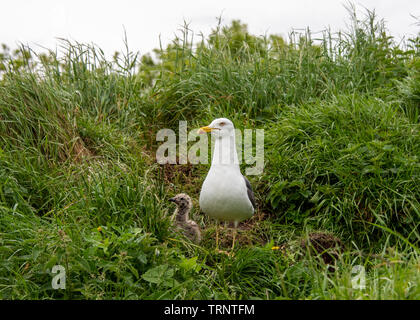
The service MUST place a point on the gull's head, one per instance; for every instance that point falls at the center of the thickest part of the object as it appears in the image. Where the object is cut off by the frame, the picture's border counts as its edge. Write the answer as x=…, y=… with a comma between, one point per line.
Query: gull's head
x=220, y=127
x=182, y=200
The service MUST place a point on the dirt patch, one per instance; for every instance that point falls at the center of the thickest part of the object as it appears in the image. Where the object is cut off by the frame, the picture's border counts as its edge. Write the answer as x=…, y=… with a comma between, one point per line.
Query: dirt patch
x=173, y=172
x=80, y=151
x=325, y=244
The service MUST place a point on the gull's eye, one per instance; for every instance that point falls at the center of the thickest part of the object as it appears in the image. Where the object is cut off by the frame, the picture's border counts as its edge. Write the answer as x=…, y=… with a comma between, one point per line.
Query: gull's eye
x=222, y=124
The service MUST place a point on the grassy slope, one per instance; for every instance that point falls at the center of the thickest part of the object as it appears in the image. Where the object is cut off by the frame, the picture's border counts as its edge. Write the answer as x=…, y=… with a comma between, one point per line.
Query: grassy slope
x=77, y=139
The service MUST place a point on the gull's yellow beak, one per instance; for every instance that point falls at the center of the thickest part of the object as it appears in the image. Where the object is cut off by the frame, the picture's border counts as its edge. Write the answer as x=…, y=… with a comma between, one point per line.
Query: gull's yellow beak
x=205, y=130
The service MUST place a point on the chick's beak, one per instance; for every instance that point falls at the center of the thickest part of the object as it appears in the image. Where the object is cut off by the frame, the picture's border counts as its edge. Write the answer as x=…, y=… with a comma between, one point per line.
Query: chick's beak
x=172, y=199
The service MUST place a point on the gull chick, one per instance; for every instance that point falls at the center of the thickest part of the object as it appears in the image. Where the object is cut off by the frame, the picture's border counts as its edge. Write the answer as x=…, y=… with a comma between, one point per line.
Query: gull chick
x=189, y=227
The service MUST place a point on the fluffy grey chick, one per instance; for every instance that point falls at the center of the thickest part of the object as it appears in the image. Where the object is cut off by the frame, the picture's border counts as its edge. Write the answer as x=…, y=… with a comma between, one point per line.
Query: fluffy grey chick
x=189, y=227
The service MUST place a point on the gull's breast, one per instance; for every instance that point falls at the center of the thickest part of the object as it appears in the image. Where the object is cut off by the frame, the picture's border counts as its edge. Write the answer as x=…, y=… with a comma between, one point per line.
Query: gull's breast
x=224, y=195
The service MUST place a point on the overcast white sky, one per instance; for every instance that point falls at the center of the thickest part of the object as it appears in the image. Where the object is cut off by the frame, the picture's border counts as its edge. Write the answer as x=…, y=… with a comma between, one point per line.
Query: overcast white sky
x=40, y=22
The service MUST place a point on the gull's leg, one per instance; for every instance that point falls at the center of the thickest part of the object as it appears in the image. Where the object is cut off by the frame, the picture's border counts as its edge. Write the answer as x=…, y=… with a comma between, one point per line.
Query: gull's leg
x=217, y=235
x=217, y=239
x=234, y=234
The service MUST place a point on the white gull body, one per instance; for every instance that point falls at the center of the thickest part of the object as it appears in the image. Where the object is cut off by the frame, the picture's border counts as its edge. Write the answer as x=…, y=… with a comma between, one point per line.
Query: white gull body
x=226, y=195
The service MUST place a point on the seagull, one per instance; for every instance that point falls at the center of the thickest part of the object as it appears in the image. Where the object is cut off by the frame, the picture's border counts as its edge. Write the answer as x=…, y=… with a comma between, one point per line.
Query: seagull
x=190, y=228
x=226, y=195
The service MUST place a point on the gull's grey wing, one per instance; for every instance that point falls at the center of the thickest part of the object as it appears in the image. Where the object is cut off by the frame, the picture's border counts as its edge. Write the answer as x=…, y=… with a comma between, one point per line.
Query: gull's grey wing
x=250, y=192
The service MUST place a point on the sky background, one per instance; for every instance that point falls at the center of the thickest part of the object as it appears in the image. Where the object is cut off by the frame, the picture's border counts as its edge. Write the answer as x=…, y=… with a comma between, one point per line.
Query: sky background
x=40, y=22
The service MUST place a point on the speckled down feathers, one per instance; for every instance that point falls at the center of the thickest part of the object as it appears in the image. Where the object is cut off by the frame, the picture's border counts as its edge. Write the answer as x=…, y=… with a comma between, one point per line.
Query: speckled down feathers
x=188, y=227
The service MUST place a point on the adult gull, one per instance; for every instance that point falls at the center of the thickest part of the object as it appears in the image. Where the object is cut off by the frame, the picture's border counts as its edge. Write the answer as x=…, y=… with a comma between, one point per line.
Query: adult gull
x=226, y=195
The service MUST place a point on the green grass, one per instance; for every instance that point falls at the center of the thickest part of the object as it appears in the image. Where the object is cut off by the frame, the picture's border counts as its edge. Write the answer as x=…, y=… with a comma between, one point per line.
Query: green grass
x=340, y=112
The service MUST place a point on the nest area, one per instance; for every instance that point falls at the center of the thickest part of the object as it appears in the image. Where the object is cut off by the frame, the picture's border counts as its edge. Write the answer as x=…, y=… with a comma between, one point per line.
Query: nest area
x=324, y=244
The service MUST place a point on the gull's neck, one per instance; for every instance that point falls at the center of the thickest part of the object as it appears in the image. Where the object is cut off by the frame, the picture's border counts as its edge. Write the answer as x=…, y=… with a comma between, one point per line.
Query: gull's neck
x=224, y=153
x=181, y=213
